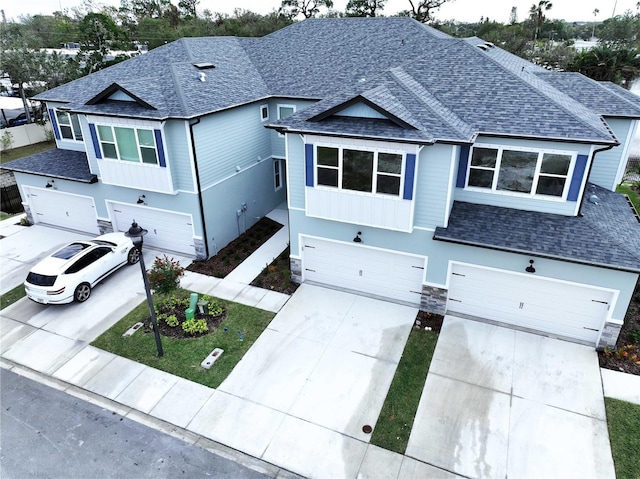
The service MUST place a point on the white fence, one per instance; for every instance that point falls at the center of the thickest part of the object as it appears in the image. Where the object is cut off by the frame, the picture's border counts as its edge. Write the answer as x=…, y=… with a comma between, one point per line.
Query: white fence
x=24, y=135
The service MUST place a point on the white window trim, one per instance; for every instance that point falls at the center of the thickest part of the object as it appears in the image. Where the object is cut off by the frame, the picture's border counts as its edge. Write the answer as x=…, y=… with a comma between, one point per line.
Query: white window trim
x=264, y=108
x=138, y=146
x=68, y=114
x=283, y=105
x=375, y=172
x=540, y=151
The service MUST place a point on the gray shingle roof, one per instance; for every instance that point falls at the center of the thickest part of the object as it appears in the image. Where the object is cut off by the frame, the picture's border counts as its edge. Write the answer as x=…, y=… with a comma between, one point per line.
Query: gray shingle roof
x=607, y=235
x=605, y=98
x=451, y=88
x=56, y=163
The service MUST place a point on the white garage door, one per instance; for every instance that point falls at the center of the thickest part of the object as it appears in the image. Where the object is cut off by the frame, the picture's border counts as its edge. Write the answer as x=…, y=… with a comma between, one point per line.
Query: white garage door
x=565, y=309
x=359, y=268
x=166, y=229
x=66, y=210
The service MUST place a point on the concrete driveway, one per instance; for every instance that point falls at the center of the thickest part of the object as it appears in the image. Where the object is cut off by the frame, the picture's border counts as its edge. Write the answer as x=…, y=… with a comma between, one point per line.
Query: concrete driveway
x=312, y=380
x=503, y=403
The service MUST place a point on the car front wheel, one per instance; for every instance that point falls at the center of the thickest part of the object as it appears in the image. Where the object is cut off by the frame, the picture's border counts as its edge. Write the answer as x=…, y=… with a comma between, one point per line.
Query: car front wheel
x=134, y=256
x=82, y=293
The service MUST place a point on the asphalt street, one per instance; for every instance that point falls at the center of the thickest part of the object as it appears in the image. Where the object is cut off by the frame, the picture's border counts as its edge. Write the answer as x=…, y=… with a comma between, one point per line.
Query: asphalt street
x=46, y=433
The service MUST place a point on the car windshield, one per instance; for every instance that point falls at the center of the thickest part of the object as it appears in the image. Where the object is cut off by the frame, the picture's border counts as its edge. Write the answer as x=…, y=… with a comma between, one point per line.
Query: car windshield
x=70, y=250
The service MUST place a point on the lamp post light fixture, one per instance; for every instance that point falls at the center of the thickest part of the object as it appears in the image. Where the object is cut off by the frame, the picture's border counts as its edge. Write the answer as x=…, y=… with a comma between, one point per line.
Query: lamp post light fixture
x=136, y=233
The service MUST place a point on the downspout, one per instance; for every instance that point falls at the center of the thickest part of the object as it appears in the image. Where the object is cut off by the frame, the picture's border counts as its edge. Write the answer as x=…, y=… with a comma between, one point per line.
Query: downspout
x=593, y=159
x=200, y=201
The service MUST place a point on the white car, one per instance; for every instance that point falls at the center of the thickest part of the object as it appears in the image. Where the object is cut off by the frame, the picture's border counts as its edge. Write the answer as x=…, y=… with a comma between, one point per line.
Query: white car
x=72, y=271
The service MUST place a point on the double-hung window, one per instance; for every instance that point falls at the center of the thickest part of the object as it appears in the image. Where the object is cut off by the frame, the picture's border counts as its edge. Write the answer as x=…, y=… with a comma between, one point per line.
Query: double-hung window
x=365, y=171
x=136, y=145
x=528, y=172
x=69, y=125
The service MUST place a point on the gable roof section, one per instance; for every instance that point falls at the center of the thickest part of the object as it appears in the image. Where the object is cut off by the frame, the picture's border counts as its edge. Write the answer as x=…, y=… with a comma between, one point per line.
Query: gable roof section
x=381, y=94
x=113, y=89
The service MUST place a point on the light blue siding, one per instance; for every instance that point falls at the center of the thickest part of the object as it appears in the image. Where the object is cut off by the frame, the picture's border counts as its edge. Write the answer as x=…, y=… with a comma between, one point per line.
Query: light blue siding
x=360, y=110
x=176, y=136
x=255, y=188
x=120, y=96
x=230, y=139
x=431, y=191
x=440, y=253
x=606, y=163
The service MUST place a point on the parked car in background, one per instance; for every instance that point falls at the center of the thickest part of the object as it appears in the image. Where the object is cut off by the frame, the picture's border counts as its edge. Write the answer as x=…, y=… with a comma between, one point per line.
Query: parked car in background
x=72, y=271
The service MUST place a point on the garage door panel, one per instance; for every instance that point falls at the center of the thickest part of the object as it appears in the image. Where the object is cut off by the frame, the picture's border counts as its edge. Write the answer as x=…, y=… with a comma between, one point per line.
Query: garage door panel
x=166, y=229
x=377, y=272
x=75, y=212
x=571, y=310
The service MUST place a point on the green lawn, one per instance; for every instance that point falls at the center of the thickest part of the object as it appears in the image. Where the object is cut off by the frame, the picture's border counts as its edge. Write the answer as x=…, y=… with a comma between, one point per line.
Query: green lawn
x=28, y=150
x=623, y=420
x=182, y=357
x=396, y=418
x=10, y=297
x=633, y=195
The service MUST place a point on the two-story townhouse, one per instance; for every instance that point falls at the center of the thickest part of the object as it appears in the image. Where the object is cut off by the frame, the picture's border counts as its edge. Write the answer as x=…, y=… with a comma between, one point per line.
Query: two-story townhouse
x=439, y=172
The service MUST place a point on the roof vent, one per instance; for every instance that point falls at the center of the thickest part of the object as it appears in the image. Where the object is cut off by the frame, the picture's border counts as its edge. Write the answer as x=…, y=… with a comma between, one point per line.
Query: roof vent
x=489, y=44
x=482, y=46
x=204, y=65
x=203, y=76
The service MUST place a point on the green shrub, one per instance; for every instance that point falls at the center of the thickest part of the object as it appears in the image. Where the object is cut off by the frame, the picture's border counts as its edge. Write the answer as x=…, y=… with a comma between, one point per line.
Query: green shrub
x=165, y=275
x=172, y=321
x=195, y=326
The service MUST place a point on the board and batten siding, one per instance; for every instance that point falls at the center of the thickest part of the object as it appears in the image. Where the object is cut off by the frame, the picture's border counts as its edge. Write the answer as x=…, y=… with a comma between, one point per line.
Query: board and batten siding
x=176, y=135
x=434, y=171
x=606, y=164
x=230, y=139
x=514, y=200
x=295, y=171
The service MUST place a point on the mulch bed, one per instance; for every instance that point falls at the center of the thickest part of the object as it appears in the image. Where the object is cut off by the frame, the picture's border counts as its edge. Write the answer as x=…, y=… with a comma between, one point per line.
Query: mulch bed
x=229, y=257
x=277, y=276
x=213, y=323
x=429, y=321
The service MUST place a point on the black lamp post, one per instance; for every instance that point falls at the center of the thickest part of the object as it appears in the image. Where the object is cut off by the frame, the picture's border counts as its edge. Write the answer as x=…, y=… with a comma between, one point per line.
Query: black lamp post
x=136, y=233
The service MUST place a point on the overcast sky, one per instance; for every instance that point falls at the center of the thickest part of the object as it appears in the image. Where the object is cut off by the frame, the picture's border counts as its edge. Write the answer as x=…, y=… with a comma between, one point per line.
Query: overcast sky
x=461, y=10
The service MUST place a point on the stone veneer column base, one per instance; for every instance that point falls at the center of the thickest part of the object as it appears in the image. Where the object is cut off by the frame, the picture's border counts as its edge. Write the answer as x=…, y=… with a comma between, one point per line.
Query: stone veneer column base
x=201, y=251
x=296, y=270
x=433, y=300
x=609, y=335
x=28, y=214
